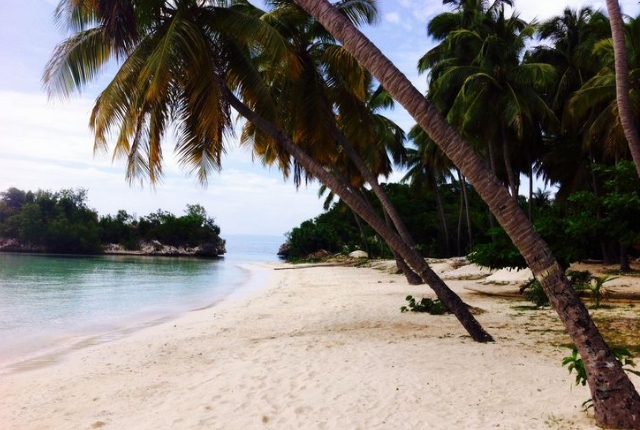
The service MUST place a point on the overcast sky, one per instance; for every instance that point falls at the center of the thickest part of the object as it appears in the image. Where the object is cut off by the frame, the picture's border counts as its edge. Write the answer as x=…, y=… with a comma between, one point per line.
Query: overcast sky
x=47, y=144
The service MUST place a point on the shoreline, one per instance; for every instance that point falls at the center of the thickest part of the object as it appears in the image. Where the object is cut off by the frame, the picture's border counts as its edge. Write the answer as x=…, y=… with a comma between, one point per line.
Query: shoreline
x=50, y=348
x=312, y=348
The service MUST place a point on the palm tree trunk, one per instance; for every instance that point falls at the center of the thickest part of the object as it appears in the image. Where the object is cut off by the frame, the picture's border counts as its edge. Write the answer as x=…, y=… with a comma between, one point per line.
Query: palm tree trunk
x=450, y=299
x=412, y=277
x=508, y=165
x=467, y=212
x=368, y=176
x=392, y=217
x=363, y=238
x=627, y=118
x=443, y=219
x=616, y=402
x=492, y=163
x=460, y=214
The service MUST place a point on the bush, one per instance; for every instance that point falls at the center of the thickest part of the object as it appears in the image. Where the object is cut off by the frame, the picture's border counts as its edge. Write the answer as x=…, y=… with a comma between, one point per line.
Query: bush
x=433, y=307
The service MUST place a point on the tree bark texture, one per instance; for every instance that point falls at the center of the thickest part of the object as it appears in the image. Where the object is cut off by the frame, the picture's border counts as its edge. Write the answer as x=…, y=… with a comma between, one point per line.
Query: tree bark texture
x=616, y=402
x=622, y=81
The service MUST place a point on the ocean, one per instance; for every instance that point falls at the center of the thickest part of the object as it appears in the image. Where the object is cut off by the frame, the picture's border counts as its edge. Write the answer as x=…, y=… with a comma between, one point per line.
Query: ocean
x=48, y=303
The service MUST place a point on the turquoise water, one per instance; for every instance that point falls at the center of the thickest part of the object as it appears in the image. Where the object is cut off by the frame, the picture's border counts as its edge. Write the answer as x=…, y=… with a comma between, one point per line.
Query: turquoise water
x=47, y=300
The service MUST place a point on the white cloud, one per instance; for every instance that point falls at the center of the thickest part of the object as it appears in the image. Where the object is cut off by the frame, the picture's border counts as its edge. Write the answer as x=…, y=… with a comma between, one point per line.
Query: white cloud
x=50, y=147
x=393, y=17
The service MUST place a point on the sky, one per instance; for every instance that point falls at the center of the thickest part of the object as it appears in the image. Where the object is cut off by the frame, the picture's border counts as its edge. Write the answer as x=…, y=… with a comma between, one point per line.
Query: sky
x=46, y=144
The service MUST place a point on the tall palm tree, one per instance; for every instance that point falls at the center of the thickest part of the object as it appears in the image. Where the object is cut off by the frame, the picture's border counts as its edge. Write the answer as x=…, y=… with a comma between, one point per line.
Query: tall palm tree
x=627, y=118
x=594, y=106
x=490, y=93
x=616, y=402
x=187, y=62
x=332, y=107
x=428, y=168
x=571, y=36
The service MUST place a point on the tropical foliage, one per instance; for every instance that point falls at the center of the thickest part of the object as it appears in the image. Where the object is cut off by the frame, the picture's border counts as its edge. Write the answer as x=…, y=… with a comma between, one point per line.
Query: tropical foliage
x=61, y=222
x=309, y=106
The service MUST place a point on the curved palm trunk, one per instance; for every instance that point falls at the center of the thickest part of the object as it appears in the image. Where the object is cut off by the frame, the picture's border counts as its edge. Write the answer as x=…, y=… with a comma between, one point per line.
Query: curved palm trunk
x=392, y=217
x=443, y=219
x=467, y=212
x=368, y=176
x=616, y=402
x=412, y=277
x=450, y=299
x=460, y=213
x=506, y=155
x=622, y=81
x=363, y=238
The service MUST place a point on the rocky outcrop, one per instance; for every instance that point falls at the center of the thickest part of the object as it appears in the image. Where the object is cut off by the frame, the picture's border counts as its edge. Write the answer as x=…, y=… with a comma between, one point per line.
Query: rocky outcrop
x=12, y=245
x=154, y=247
x=284, y=250
x=208, y=250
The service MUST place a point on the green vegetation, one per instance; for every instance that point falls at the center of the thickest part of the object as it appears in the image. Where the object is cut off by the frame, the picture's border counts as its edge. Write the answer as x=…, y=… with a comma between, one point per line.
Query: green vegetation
x=338, y=230
x=533, y=292
x=61, y=222
x=581, y=226
x=433, y=307
x=575, y=363
x=311, y=108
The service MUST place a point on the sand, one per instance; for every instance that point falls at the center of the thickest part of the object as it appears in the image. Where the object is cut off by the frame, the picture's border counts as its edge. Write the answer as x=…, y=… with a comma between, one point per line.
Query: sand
x=315, y=348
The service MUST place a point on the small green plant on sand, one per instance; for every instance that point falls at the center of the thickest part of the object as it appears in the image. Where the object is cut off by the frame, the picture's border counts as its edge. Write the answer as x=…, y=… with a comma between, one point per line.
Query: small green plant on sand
x=574, y=362
x=595, y=286
x=533, y=292
x=580, y=280
x=433, y=307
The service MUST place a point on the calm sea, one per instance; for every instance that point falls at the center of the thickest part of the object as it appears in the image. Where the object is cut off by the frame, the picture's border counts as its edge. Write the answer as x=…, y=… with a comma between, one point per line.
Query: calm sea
x=49, y=303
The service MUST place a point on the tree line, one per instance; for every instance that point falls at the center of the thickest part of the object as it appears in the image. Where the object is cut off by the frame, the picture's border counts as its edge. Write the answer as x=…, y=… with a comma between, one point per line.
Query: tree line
x=312, y=91
x=61, y=222
x=583, y=227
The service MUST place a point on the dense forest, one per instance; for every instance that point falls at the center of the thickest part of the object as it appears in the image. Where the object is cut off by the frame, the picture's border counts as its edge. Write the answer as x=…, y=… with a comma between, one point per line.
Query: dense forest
x=61, y=222
x=583, y=226
x=535, y=100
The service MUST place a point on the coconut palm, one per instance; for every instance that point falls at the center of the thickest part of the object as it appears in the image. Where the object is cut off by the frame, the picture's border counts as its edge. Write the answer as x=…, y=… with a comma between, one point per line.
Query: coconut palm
x=616, y=402
x=189, y=62
x=627, y=117
x=331, y=108
x=594, y=106
x=428, y=168
x=571, y=38
x=491, y=94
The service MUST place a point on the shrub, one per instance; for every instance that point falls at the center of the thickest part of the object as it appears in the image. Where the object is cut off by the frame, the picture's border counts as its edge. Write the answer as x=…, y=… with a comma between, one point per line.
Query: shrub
x=433, y=307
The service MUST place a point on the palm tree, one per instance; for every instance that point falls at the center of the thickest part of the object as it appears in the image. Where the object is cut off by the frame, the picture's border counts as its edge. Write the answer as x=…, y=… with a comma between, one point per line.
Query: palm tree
x=490, y=93
x=183, y=62
x=616, y=402
x=594, y=106
x=572, y=37
x=332, y=109
x=627, y=118
x=428, y=168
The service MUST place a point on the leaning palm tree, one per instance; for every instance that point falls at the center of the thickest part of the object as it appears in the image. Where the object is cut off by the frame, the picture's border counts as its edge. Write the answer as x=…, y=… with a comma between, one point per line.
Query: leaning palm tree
x=331, y=108
x=189, y=62
x=627, y=118
x=616, y=402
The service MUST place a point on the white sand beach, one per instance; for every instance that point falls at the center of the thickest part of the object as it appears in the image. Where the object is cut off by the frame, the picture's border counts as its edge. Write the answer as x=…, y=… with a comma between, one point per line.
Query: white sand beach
x=316, y=348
